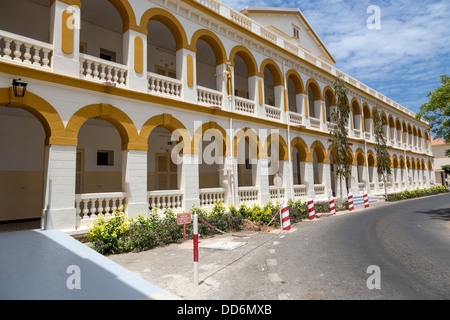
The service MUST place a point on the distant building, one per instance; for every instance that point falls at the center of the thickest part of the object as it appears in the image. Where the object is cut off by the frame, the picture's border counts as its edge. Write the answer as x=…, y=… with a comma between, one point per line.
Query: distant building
x=438, y=147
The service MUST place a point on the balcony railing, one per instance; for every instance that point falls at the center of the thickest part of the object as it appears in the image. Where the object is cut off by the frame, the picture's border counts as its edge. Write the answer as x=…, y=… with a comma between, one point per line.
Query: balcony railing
x=273, y=112
x=100, y=70
x=295, y=118
x=300, y=191
x=165, y=86
x=244, y=105
x=89, y=205
x=26, y=51
x=209, y=97
x=162, y=199
x=209, y=196
x=248, y=194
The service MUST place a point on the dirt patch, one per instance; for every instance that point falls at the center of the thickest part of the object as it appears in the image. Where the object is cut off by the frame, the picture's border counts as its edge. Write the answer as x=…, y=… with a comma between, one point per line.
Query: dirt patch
x=248, y=225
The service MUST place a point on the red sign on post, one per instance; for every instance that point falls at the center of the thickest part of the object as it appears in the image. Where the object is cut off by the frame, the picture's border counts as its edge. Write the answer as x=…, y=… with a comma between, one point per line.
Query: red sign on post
x=184, y=219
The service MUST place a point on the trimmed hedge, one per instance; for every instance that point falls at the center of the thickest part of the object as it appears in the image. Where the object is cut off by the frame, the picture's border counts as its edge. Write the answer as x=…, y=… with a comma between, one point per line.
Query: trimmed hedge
x=416, y=193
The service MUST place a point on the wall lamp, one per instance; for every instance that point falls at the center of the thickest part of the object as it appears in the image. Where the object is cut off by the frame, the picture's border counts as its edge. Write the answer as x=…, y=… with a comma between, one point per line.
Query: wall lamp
x=19, y=87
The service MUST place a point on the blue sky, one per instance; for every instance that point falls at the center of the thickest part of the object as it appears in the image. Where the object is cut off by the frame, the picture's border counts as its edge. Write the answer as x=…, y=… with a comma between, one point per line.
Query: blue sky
x=402, y=60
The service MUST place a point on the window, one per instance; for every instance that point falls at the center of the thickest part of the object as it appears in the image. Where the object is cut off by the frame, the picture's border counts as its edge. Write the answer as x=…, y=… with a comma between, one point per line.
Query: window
x=296, y=32
x=107, y=55
x=165, y=72
x=105, y=158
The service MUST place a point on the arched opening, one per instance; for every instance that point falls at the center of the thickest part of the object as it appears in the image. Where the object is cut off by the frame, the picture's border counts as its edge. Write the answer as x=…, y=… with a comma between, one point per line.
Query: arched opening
x=206, y=65
x=356, y=113
x=367, y=118
x=101, y=35
x=294, y=91
x=317, y=151
x=26, y=18
x=241, y=78
x=269, y=87
x=391, y=129
x=314, y=98
x=360, y=163
x=22, y=141
x=329, y=103
x=161, y=49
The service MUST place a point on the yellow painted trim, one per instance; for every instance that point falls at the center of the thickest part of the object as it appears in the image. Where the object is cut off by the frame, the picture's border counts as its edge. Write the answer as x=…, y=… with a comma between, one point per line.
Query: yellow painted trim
x=285, y=98
x=169, y=21
x=298, y=82
x=320, y=151
x=362, y=124
x=278, y=79
x=170, y=123
x=212, y=125
x=67, y=34
x=253, y=140
x=42, y=110
x=138, y=54
x=315, y=88
x=247, y=56
x=190, y=70
x=283, y=153
x=302, y=149
x=229, y=82
x=306, y=103
x=260, y=93
x=115, y=116
x=213, y=41
x=324, y=115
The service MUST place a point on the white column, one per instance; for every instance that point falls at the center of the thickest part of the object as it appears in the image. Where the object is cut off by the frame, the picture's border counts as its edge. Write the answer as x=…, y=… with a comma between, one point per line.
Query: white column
x=326, y=179
x=189, y=93
x=188, y=174
x=309, y=179
x=262, y=180
x=135, y=80
x=134, y=182
x=65, y=63
x=59, y=188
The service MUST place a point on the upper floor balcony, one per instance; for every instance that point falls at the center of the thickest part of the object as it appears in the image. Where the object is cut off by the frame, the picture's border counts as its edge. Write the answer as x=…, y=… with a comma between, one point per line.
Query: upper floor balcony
x=95, y=43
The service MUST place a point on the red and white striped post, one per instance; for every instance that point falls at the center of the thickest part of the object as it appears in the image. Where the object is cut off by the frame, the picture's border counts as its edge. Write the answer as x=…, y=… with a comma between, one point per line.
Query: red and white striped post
x=366, y=199
x=195, y=249
x=332, y=207
x=350, y=202
x=312, y=213
x=285, y=220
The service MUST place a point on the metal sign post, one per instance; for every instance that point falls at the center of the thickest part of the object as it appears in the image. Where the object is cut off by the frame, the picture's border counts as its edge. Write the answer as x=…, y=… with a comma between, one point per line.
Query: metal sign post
x=195, y=249
x=278, y=182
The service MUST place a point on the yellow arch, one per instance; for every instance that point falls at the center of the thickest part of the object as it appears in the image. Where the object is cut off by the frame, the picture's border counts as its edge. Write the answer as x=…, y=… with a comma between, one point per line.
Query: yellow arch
x=247, y=56
x=320, y=151
x=329, y=92
x=315, y=88
x=296, y=79
x=356, y=103
x=123, y=124
x=358, y=154
x=214, y=42
x=274, y=69
x=253, y=140
x=283, y=148
x=43, y=111
x=169, y=21
x=371, y=159
x=211, y=126
x=170, y=123
x=302, y=148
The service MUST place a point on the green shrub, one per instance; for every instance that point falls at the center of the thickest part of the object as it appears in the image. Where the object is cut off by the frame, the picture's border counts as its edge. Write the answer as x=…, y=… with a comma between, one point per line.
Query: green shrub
x=417, y=193
x=108, y=234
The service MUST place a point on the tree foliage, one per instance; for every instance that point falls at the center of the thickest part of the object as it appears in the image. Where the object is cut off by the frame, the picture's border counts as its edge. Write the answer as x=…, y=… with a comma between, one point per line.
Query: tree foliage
x=437, y=110
x=339, y=134
x=382, y=154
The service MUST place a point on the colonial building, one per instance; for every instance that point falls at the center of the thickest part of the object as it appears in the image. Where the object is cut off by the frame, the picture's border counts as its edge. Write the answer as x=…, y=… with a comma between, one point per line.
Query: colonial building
x=438, y=147
x=178, y=103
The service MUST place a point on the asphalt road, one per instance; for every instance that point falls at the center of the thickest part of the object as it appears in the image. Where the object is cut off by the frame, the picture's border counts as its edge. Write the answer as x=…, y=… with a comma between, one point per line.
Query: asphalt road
x=409, y=242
